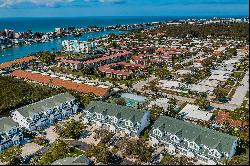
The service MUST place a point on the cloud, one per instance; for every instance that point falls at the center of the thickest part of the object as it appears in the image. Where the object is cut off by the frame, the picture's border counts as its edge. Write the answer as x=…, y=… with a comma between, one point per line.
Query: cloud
x=52, y=3
x=48, y=3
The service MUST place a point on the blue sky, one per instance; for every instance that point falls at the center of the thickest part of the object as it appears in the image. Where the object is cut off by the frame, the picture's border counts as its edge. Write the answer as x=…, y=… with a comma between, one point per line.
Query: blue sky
x=72, y=8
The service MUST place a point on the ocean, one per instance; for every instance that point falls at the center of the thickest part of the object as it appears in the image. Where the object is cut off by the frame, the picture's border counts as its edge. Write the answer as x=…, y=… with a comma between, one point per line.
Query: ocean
x=49, y=24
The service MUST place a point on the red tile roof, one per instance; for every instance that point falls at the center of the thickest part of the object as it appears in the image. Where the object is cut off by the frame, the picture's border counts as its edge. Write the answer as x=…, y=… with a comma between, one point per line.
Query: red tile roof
x=60, y=83
x=225, y=117
x=17, y=61
x=106, y=57
x=71, y=61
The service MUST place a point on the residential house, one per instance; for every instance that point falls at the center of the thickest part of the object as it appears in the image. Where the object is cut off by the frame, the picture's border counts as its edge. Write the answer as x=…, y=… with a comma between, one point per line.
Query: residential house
x=194, y=113
x=42, y=114
x=10, y=133
x=116, y=118
x=194, y=141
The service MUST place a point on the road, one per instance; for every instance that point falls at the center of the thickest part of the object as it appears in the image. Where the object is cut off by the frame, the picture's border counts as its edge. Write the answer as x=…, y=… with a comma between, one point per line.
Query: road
x=227, y=106
x=241, y=91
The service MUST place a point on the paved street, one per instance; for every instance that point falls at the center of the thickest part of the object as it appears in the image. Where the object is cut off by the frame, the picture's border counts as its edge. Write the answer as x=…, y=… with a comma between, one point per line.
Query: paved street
x=241, y=91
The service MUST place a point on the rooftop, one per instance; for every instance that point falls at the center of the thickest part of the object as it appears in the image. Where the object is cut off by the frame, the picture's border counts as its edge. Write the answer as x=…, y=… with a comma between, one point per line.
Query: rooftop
x=196, y=133
x=44, y=105
x=17, y=61
x=6, y=123
x=68, y=84
x=193, y=112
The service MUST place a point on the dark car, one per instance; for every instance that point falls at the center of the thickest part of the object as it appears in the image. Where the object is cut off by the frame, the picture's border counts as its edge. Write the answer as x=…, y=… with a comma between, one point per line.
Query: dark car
x=224, y=100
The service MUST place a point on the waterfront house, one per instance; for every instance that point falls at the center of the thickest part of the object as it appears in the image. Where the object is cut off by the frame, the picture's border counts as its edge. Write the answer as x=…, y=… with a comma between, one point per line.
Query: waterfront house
x=79, y=160
x=10, y=133
x=43, y=113
x=194, y=141
x=116, y=118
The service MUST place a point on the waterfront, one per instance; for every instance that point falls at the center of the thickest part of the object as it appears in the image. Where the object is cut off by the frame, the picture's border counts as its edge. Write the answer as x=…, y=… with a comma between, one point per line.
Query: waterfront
x=21, y=51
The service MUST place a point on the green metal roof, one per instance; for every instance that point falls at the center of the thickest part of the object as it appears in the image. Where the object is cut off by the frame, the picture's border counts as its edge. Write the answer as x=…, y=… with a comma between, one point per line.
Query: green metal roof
x=6, y=123
x=128, y=113
x=44, y=105
x=201, y=135
x=80, y=160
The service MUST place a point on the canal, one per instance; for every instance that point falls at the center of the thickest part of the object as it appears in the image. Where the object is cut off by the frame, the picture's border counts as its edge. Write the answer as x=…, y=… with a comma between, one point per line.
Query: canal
x=22, y=51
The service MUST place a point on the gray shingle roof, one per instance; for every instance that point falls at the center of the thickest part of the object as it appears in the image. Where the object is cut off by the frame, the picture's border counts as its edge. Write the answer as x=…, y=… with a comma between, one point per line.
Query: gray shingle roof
x=44, y=105
x=211, y=138
x=6, y=123
x=128, y=113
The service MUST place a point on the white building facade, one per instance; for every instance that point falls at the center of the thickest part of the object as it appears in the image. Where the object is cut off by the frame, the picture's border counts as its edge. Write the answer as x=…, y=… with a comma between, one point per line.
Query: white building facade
x=42, y=114
x=10, y=133
x=116, y=118
x=192, y=140
x=78, y=46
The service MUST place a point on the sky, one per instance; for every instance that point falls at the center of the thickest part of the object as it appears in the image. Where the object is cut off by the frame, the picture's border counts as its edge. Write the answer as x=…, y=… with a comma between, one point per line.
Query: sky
x=79, y=8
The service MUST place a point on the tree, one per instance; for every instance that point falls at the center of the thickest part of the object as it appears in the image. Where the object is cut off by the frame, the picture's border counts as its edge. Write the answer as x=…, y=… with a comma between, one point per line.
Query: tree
x=163, y=72
x=73, y=129
x=86, y=99
x=240, y=160
x=220, y=92
x=203, y=103
x=41, y=140
x=120, y=101
x=172, y=160
x=171, y=110
x=100, y=152
x=153, y=86
x=9, y=154
x=136, y=148
x=59, y=150
x=155, y=112
x=47, y=57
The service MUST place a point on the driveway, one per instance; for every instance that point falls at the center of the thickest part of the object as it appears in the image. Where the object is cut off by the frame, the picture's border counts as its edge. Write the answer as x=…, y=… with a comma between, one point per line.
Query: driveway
x=30, y=148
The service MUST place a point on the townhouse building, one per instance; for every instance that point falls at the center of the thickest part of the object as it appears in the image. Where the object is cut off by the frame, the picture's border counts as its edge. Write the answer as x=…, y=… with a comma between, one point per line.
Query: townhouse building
x=42, y=114
x=79, y=160
x=116, y=118
x=118, y=57
x=72, y=64
x=192, y=140
x=10, y=133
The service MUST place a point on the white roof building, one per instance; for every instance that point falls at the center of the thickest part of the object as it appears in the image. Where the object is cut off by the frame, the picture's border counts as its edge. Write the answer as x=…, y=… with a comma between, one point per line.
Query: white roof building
x=193, y=112
x=161, y=102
